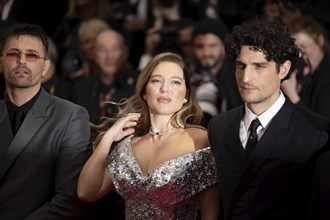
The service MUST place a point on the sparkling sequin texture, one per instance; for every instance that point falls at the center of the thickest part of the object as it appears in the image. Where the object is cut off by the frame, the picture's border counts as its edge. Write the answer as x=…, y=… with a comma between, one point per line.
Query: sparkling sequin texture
x=167, y=191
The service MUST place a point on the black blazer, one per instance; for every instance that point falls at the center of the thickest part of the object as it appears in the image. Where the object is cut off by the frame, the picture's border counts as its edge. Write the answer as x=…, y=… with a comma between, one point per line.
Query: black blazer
x=320, y=202
x=316, y=94
x=275, y=182
x=39, y=167
x=87, y=92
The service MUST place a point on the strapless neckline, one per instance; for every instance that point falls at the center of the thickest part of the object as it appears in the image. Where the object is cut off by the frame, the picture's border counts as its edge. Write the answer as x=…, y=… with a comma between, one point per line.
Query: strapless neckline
x=161, y=164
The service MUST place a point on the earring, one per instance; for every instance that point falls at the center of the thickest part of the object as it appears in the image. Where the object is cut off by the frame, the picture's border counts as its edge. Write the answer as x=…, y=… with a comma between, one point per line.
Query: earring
x=185, y=100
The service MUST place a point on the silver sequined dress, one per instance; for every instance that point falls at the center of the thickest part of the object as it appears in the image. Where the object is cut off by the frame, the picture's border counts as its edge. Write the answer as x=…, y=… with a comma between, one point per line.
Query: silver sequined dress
x=167, y=191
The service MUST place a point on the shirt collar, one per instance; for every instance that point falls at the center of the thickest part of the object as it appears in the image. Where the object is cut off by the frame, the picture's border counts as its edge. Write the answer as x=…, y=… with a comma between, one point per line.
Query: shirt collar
x=12, y=107
x=266, y=116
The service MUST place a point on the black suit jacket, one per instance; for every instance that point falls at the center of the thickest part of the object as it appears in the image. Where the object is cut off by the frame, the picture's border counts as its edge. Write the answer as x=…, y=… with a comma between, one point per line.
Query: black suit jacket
x=320, y=202
x=316, y=94
x=88, y=91
x=39, y=167
x=275, y=182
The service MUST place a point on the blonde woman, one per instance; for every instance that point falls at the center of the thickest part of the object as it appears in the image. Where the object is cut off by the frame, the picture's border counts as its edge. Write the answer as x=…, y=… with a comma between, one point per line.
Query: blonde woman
x=160, y=160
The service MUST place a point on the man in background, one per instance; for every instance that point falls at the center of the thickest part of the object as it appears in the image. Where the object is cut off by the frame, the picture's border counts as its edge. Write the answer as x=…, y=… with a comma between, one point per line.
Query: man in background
x=214, y=75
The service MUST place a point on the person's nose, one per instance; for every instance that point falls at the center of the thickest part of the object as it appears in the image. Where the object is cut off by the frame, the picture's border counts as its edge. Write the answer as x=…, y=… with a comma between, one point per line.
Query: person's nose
x=21, y=58
x=247, y=74
x=207, y=51
x=164, y=88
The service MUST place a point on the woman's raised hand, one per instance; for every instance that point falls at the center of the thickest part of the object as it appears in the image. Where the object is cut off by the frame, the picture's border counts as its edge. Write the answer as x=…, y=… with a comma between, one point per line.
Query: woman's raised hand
x=124, y=126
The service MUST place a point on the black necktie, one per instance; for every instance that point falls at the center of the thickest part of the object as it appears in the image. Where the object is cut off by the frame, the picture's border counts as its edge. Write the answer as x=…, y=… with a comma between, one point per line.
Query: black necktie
x=17, y=120
x=253, y=138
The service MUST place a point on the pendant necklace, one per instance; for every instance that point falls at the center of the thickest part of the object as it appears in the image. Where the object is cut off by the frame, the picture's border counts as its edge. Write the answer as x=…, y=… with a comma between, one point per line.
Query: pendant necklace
x=161, y=133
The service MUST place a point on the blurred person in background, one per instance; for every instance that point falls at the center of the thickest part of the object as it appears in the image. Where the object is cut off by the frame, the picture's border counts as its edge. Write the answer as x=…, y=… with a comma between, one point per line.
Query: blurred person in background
x=286, y=11
x=161, y=34
x=113, y=78
x=184, y=39
x=66, y=34
x=213, y=74
x=2, y=85
x=135, y=18
x=87, y=32
x=53, y=82
x=176, y=37
x=312, y=87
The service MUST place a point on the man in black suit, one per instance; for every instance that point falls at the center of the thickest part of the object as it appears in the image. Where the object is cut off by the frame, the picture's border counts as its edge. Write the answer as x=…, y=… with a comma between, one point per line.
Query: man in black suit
x=274, y=180
x=43, y=150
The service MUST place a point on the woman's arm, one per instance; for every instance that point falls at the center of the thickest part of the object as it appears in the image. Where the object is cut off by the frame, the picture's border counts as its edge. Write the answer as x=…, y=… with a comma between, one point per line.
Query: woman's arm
x=94, y=180
x=209, y=202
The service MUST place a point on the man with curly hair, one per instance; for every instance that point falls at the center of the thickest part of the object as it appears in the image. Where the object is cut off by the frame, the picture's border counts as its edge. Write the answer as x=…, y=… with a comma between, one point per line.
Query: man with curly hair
x=272, y=178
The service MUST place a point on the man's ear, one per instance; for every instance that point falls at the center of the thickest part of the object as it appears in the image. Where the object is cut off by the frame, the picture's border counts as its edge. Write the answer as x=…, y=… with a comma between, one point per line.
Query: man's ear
x=46, y=68
x=284, y=69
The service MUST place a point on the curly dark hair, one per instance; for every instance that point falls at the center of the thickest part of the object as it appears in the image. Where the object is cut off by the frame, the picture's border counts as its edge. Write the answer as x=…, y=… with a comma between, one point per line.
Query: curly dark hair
x=270, y=37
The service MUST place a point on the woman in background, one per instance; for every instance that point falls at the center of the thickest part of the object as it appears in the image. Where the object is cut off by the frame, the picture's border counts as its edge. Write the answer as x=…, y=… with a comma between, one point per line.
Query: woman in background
x=313, y=91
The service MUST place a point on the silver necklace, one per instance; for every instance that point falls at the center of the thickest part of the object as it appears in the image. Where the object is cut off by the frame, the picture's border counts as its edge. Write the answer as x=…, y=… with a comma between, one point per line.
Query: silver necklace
x=161, y=133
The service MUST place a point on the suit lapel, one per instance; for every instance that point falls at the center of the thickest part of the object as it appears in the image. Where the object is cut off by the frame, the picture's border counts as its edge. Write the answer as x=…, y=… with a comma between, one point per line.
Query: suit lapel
x=270, y=140
x=6, y=134
x=232, y=140
x=36, y=117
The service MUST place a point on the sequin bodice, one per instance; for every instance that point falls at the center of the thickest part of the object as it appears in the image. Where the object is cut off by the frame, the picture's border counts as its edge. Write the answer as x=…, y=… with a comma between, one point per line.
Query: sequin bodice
x=167, y=191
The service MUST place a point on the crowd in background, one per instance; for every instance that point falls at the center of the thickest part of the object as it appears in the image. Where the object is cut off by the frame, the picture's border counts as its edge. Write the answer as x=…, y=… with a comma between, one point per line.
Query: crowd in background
x=93, y=76
x=98, y=48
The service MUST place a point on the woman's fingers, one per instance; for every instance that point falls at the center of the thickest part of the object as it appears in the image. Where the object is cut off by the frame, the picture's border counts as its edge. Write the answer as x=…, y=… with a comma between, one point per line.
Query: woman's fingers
x=125, y=125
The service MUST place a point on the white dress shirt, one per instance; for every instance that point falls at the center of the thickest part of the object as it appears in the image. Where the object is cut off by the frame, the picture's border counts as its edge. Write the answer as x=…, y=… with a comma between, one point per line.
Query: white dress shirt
x=265, y=118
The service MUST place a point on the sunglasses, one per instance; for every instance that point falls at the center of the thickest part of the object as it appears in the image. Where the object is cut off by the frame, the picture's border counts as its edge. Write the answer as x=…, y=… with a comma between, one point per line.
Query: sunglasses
x=16, y=55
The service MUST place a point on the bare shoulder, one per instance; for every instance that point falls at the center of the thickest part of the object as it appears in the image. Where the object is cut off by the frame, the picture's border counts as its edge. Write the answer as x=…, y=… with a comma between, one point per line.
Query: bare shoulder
x=199, y=136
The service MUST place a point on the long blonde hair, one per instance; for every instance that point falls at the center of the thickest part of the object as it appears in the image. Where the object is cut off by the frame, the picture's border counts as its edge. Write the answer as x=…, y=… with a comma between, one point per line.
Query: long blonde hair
x=190, y=115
